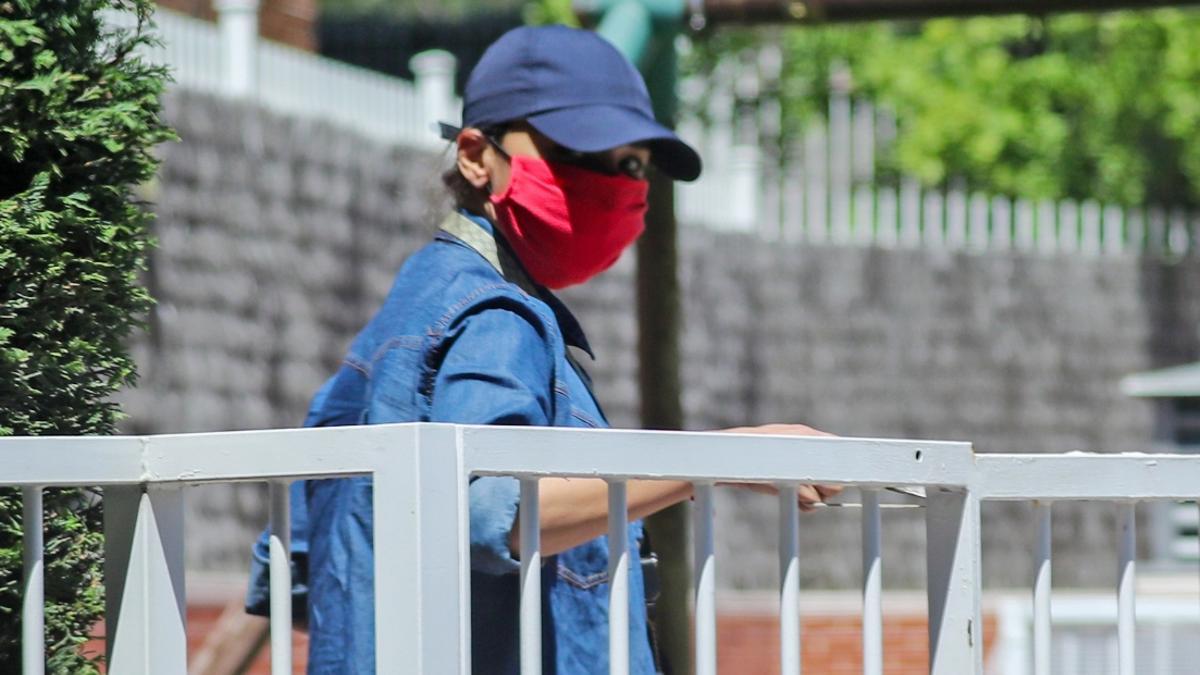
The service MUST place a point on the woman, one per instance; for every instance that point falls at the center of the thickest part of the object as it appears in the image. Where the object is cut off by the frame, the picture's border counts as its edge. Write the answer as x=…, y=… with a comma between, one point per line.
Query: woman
x=550, y=186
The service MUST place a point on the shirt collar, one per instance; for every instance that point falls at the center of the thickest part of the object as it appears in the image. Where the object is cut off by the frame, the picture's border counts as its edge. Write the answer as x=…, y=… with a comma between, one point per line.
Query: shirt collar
x=478, y=234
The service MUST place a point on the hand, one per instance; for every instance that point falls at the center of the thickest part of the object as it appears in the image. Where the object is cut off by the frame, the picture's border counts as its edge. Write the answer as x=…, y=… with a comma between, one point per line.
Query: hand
x=807, y=495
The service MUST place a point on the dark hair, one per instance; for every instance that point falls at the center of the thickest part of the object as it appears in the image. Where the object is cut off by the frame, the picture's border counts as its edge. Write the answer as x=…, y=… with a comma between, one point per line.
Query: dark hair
x=459, y=188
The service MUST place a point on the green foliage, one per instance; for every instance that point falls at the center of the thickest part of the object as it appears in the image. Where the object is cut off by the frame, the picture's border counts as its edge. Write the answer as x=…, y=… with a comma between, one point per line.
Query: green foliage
x=78, y=119
x=1103, y=106
x=542, y=12
x=423, y=8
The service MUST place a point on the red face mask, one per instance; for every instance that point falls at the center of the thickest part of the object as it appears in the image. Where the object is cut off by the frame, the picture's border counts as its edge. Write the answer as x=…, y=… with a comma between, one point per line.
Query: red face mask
x=568, y=224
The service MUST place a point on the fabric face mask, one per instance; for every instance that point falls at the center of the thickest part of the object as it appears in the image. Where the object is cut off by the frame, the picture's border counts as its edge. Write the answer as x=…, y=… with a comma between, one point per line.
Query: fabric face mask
x=568, y=224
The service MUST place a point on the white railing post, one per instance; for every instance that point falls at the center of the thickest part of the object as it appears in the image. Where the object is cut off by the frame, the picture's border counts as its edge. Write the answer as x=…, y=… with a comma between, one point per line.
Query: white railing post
x=237, y=21
x=1041, y=590
x=1126, y=592
x=953, y=582
x=434, y=72
x=531, y=578
x=281, y=579
x=33, y=616
x=144, y=578
x=872, y=585
x=706, y=581
x=618, y=579
x=789, y=581
x=422, y=566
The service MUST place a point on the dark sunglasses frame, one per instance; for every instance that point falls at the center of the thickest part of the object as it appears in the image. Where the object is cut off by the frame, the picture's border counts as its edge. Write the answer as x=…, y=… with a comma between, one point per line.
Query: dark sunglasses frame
x=631, y=167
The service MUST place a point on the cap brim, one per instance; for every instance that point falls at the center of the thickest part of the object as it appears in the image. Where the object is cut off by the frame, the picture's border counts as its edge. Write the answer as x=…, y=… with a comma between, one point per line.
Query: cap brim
x=595, y=128
x=448, y=132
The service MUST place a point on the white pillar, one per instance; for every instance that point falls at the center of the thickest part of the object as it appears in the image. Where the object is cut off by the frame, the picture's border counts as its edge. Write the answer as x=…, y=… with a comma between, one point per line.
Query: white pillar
x=237, y=21
x=434, y=71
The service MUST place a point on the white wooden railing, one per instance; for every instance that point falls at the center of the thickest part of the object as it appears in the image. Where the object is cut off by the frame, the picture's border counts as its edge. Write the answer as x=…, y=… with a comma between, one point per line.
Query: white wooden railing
x=227, y=59
x=421, y=476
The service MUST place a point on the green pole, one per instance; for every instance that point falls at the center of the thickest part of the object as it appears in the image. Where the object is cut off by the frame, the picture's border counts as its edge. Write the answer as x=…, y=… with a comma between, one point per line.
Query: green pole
x=645, y=32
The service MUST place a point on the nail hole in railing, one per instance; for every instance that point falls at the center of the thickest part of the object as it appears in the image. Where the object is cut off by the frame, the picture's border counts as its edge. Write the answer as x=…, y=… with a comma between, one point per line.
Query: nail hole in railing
x=918, y=456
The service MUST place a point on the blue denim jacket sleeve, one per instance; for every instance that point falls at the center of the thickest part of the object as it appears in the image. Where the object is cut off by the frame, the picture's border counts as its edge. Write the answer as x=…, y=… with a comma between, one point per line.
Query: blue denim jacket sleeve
x=492, y=366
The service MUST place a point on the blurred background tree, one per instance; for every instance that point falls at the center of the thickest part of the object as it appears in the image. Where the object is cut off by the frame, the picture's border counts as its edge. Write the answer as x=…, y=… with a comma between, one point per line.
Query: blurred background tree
x=1095, y=106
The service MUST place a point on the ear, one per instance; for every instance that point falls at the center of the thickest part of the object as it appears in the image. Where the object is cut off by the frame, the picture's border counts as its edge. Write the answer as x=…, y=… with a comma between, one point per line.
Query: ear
x=471, y=147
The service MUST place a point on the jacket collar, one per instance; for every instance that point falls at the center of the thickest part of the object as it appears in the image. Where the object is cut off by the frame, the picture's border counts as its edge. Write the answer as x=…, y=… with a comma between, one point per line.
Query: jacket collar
x=478, y=234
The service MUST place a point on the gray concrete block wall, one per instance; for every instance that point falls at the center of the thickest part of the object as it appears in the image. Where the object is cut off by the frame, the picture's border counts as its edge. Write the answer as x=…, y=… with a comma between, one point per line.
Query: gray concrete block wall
x=279, y=237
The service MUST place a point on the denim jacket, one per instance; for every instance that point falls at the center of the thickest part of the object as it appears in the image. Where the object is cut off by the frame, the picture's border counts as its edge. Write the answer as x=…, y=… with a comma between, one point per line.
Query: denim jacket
x=462, y=337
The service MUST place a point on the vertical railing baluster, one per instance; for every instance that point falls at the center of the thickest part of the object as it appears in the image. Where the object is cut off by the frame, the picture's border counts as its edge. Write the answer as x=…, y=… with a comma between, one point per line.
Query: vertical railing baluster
x=531, y=579
x=789, y=581
x=1126, y=593
x=33, y=618
x=1041, y=590
x=618, y=579
x=872, y=620
x=706, y=584
x=281, y=578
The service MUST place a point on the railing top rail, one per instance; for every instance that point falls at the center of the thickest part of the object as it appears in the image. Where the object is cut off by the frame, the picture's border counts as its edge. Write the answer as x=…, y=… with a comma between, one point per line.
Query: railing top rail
x=707, y=456
x=520, y=451
x=529, y=452
x=1087, y=476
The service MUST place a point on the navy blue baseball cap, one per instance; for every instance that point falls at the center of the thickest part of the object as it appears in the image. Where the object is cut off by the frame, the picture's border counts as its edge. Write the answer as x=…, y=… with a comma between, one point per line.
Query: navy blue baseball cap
x=574, y=87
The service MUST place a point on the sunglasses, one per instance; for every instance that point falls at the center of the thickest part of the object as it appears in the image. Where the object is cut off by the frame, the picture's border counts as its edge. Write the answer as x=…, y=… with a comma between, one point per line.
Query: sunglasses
x=600, y=162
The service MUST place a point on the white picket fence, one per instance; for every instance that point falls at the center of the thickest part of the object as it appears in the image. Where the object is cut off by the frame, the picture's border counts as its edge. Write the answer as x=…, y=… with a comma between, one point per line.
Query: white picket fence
x=821, y=190
x=216, y=59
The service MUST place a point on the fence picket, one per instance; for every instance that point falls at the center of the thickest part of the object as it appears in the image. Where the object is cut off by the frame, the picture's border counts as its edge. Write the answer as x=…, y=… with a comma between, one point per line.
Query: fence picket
x=840, y=151
x=1069, y=240
x=956, y=219
x=816, y=191
x=977, y=222
x=888, y=214
x=1113, y=227
x=932, y=230
x=910, y=214
x=1090, y=241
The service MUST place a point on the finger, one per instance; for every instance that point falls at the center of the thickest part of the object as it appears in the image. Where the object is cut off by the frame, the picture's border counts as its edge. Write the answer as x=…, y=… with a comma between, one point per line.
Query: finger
x=760, y=488
x=827, y=491
x=792, y=430
x=808, y=495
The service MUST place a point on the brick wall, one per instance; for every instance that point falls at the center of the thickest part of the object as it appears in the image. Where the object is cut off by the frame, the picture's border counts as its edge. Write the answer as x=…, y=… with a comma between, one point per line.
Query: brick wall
x=279, y=238
x=291, y=22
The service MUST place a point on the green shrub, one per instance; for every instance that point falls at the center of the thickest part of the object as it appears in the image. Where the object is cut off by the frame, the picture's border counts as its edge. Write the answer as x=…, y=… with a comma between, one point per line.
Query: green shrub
x=78, y=119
